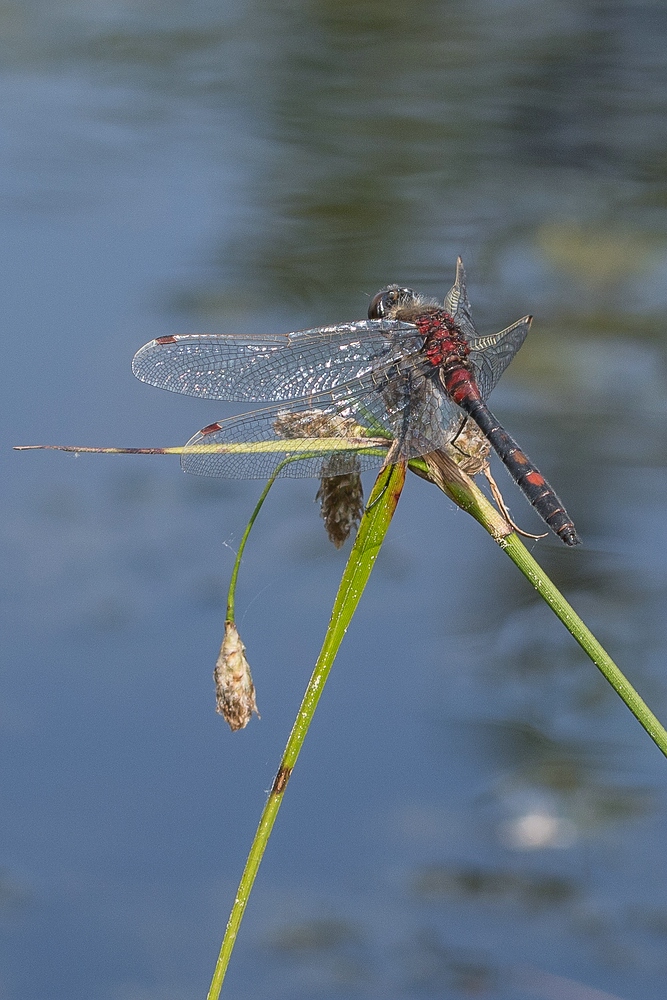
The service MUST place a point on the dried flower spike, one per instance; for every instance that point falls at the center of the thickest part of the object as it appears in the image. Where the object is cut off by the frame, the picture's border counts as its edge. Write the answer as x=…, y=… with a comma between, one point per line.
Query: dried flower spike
x=341, y=503
x=340, y=494
x=234, y=689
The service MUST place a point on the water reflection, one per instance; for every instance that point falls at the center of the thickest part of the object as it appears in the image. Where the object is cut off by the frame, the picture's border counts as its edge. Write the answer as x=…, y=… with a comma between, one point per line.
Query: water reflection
x=552, y=791
x=431, y=965
x=471, y=883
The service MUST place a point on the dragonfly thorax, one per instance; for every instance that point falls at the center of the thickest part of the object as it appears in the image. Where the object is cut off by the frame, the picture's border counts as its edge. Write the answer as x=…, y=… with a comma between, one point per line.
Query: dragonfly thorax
x=444, y=343
x=448, y=352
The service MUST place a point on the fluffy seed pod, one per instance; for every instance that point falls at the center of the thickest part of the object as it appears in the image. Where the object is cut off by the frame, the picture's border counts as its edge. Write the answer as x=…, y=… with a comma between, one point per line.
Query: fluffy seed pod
x=234, y=689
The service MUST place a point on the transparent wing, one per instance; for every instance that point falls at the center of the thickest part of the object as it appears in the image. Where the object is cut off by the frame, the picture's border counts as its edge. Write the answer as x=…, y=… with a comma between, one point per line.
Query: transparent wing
x=491, y=355
x=457, y=304
x=329, y=434
x=300, y=442
x=287, y=366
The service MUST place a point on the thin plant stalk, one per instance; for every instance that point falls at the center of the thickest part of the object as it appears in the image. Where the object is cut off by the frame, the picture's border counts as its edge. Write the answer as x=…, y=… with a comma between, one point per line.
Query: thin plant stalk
x=307, y=447
x=444, y=472
x=231, y=593
x=372, y=529
x=521, y=557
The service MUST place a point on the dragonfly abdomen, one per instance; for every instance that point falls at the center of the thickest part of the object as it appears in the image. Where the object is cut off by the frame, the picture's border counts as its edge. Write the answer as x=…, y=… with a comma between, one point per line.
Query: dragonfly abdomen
x=526, y=475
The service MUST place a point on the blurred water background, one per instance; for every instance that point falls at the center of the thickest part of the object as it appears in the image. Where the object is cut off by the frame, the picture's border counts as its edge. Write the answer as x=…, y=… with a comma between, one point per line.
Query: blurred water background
x=475, y=812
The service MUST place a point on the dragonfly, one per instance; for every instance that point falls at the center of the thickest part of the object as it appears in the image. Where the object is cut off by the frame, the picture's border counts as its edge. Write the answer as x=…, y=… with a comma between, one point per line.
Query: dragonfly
x=395, y=386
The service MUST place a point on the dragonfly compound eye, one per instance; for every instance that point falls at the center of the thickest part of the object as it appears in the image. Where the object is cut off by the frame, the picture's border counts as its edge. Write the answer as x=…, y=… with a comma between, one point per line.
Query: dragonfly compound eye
x=388, y=299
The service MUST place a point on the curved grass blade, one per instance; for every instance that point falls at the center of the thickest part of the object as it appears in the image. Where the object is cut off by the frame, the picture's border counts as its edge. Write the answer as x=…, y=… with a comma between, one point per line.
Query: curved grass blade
x=372, y=529
x=300, y=448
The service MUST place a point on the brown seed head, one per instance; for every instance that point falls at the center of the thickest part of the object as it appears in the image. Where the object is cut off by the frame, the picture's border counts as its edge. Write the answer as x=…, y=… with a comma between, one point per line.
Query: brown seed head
x=234, y=689
x=341, y=501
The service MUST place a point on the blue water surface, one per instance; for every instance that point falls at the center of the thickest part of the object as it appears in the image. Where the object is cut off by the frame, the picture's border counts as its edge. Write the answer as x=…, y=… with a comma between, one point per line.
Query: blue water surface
x=475, y=812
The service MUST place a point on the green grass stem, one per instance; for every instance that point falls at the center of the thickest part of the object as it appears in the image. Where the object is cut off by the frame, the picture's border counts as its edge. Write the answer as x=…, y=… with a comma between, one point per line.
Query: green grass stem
x=231, y=593
x=521, y=557
x=372, y=529
x=444, y=472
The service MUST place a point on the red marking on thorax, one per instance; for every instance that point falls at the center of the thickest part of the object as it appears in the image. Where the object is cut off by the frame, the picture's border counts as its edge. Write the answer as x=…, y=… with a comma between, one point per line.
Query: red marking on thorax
x=446, y=348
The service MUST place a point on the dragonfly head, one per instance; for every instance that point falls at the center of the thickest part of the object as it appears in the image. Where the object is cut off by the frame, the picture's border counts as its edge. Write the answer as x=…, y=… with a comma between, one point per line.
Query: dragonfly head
x=387, y=301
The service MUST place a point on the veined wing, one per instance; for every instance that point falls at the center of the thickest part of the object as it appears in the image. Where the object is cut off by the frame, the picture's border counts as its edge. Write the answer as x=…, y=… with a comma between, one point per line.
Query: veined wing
x=299, y=441
x=457, y=304
x=491, y=355
x=281, y=367
x=329, y=434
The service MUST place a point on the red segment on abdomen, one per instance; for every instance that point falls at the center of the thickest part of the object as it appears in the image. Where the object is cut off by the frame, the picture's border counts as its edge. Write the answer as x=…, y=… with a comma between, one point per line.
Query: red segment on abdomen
x=460, y=385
